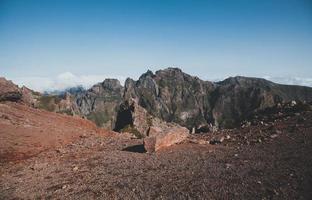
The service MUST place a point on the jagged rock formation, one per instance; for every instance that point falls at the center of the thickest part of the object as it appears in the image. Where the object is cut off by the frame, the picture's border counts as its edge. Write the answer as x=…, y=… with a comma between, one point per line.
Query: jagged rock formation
x=29, y=97
x=101, y=102
x=177, y=97
x=174, y=96
x=169, y=95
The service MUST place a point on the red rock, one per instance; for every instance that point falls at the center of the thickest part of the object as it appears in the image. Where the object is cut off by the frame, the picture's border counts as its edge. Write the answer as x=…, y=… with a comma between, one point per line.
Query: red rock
x=159, y=138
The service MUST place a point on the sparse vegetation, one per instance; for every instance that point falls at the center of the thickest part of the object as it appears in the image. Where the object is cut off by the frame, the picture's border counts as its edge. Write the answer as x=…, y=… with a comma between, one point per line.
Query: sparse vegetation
x=48, y=102
x=131, y=129
x=67, y=112
x=99, y=118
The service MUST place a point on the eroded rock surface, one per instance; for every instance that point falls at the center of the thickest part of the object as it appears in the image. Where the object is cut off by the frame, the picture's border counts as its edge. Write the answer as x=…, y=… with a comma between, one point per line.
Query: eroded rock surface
x=159, y=138
x=101, y=102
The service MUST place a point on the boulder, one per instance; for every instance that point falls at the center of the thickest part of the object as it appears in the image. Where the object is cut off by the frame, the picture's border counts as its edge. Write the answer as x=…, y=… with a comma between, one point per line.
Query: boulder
x=159, y=138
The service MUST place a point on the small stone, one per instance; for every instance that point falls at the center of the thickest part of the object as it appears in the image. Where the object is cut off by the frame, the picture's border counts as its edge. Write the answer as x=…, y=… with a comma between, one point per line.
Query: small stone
x=274, y=136
x=228, y=166
x=75, y=168
x=236, y=155
x=64, y=187
x=202, y=142
x=217, y=140
x=259, y=182
x=275, y=191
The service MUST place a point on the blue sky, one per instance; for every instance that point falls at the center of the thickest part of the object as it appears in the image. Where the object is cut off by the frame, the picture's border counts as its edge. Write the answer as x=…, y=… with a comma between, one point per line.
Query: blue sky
x=68, y=40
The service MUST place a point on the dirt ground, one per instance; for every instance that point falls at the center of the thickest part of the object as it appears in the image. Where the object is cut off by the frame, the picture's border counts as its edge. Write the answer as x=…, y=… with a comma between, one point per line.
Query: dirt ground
x=69, y=158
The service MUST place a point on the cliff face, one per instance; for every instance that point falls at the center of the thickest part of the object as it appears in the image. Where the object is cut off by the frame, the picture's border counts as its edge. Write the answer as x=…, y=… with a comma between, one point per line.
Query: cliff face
x=174, y=96
x=100, y=103
x=238, y=97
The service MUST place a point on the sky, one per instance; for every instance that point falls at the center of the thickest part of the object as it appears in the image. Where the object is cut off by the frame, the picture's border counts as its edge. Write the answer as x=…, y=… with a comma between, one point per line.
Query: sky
x=54, y=44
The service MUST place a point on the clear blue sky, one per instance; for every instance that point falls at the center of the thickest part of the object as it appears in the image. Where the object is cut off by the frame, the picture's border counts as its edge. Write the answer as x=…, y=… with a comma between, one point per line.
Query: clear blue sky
x=209, y=39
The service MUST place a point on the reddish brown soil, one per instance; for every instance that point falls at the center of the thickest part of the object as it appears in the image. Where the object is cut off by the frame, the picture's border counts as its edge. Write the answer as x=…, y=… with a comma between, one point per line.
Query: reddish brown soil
x=25, y=131
x=264, y=161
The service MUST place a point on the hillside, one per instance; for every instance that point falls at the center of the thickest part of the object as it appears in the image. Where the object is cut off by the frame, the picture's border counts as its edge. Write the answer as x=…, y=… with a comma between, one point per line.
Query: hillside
x=52, y=156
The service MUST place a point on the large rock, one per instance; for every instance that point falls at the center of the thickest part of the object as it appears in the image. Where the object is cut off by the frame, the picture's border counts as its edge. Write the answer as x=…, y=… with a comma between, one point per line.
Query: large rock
x=159, y=138
x=9, y=91
x=134, y=119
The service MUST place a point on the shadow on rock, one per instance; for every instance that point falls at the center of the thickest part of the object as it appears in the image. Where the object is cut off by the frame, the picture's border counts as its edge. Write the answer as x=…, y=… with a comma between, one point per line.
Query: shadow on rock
x=135, y=148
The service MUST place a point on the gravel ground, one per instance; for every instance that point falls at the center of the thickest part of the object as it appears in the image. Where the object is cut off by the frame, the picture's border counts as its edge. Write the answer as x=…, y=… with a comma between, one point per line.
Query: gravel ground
x=263, y=161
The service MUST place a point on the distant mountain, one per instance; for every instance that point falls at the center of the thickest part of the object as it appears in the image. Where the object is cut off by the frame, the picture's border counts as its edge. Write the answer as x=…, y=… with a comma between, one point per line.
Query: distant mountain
x=175, y=96
x=71, y=90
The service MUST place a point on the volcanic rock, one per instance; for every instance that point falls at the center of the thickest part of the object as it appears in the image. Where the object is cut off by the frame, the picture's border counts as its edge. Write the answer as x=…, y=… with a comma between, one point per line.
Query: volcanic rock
x=30, y=97
x=159, y=138
x=174, y=96
x=100, y=103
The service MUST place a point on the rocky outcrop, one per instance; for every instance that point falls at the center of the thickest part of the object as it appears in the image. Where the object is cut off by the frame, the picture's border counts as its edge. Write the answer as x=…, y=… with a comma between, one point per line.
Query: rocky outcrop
x=236, y=98
x=159, y=138
x=173, y=96
x=101, y=103
x=9, y=91
x=133, y=118
x=30, y=97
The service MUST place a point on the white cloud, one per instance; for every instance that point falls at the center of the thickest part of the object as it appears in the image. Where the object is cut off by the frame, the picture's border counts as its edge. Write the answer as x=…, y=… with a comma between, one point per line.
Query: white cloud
x=68, y=79
x=62, y=81
x=291, y=80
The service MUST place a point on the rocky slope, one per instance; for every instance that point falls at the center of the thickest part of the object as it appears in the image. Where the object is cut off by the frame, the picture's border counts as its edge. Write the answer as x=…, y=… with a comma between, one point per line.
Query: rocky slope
x=268, y=159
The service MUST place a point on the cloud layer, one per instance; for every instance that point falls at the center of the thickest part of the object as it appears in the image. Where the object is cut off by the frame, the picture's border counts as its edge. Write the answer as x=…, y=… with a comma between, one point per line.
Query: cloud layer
x=68, y=79
x=62, y=81
x=291, y=80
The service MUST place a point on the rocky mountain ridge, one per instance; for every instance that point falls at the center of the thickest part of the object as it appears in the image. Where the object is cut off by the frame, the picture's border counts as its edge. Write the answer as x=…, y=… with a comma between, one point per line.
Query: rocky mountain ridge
x=169, y=96
x=174, y=96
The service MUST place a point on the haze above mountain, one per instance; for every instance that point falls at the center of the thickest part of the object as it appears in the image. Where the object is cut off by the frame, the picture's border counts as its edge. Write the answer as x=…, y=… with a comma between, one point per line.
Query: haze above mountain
x=68, y=80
